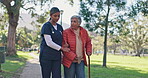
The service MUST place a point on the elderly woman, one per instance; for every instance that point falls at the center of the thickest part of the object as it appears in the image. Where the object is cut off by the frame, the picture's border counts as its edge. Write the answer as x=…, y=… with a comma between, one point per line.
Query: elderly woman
x=76, y=38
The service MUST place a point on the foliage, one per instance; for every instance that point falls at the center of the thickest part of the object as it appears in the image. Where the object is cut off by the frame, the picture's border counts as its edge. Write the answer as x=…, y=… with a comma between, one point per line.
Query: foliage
x=108, y=17
x=96, y=13
x=130, y=27
x=135, y=34
x=3, y=38
x=97, y=42
x=3, y=20
x=24, y=38
x=13, y=8
x=140, y=6
x=3, y=26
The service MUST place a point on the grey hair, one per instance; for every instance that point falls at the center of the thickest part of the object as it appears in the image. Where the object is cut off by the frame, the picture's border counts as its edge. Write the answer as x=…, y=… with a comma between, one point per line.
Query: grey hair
x=78, y=17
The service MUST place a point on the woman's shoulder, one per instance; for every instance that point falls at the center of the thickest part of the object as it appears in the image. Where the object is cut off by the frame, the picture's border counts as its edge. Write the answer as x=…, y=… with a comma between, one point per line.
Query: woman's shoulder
x=83, y=29
x=67, y=30
x=59, y=25
x=46, y=24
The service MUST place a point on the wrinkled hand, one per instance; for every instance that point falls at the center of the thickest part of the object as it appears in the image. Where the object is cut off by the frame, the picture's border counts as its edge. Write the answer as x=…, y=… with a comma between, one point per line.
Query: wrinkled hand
x=65, y=49
x=76, y=58
x=65, y=45
x=89, y=53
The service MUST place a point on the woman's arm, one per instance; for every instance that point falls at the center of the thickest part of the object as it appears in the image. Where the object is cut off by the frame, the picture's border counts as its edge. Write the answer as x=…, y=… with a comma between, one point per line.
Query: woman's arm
x=53, y=45
x=50, y=43
x=88, y=45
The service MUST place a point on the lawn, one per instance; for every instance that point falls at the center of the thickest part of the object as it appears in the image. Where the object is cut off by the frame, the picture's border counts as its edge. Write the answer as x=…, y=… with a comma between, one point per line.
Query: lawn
x=119, y=66
x=14, y=64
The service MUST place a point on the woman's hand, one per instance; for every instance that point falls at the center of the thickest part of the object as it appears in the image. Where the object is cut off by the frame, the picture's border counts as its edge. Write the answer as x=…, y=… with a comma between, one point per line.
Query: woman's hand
x=65, y=45
x=65, y=49
x=89, y=53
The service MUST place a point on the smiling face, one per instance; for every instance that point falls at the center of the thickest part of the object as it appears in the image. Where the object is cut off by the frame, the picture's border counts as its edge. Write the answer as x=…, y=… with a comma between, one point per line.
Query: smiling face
x=75, y=23
x=55, y=17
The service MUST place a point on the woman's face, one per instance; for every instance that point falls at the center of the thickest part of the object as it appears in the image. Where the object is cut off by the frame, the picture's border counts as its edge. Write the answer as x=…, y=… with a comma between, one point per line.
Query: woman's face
x=55, y=17
x=74, y=23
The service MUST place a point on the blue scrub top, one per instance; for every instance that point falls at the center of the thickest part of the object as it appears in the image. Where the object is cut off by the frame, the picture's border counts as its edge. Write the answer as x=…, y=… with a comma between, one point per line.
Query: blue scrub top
x=46, y=52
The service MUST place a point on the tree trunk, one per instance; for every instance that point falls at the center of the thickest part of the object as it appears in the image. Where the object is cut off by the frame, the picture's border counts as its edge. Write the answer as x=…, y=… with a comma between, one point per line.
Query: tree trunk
x=105, y=38
x=138, y=50
x=13, y=12
x=114, y=51
x=13, y=22
x=137, y=54
x=105, y=47
x=11, y=50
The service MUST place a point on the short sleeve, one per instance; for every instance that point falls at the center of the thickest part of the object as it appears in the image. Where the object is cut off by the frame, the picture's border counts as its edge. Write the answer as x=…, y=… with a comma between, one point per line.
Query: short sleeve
x=45, y=29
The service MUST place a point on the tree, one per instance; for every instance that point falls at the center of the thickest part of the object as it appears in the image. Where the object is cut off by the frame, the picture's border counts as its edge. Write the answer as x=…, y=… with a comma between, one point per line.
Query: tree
x=3, y=25
x=135, y=35
x=97, y=42
x=96, y=14
x=113, y=44
x=24, y=39
x=13, y=11
x=40, y=19
x=132, y=26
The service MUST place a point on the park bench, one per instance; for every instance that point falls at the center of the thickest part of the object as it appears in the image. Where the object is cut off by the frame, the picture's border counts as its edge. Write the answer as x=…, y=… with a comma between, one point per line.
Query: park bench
x=2, y=56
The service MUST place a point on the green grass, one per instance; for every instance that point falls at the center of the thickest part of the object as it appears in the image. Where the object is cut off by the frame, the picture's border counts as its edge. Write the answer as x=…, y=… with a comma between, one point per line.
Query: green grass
x=119, y=67
x=14, y=64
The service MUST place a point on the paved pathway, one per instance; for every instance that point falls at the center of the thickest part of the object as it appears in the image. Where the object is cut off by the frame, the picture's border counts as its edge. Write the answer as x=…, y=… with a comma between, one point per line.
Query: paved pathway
x=32, y=68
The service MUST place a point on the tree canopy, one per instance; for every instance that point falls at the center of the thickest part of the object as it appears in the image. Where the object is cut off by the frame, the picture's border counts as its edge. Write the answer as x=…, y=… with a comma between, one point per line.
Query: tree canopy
x=108, y=17
x=13, y=10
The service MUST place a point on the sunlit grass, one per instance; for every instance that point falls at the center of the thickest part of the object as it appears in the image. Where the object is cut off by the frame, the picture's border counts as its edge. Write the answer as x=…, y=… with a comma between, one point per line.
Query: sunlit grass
x=14, y=63
x=119, y=66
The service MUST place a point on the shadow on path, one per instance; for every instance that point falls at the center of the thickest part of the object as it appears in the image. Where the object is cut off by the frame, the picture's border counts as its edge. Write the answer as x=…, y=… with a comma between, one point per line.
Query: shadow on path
x=32, y=68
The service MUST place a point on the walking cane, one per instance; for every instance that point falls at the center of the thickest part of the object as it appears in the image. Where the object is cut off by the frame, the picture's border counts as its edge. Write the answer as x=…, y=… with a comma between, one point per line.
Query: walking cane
x=88, y=66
